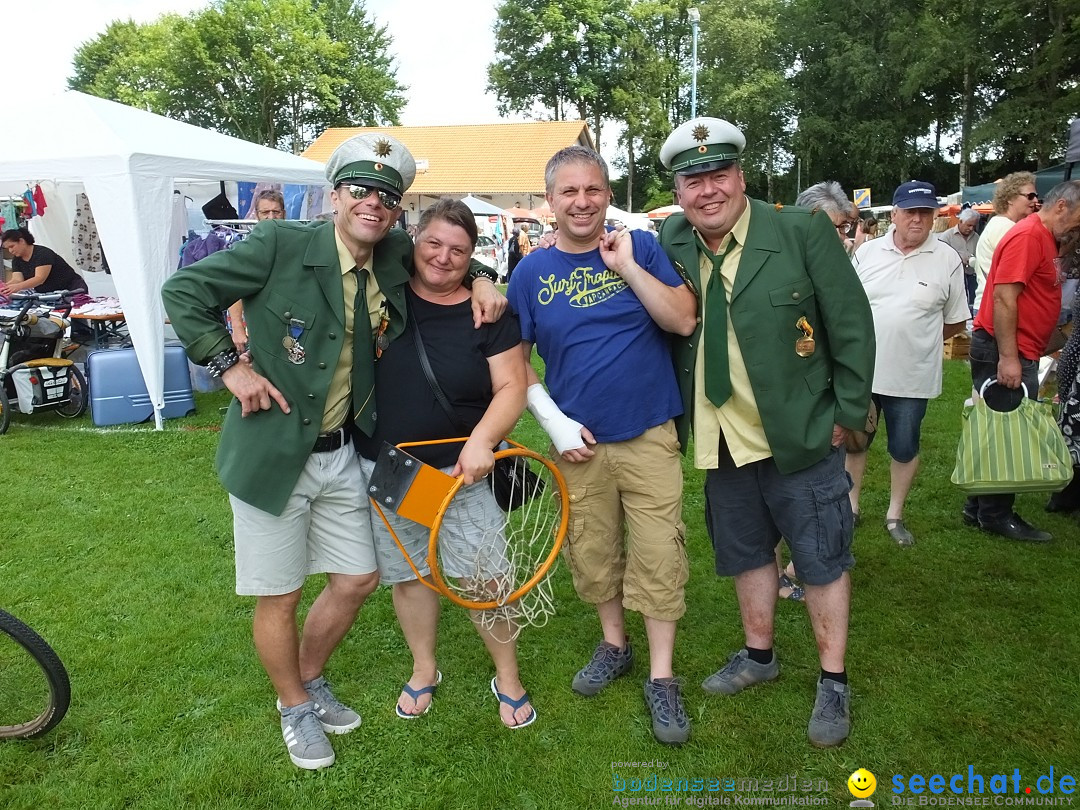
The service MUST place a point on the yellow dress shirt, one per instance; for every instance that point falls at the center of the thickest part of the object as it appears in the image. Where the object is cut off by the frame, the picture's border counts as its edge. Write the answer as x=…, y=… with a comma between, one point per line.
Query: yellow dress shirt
x=338, y=397
x=738, y=418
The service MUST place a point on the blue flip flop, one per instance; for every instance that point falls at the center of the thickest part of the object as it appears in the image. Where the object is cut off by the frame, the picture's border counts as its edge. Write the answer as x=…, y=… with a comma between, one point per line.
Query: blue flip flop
x=415, y=695
x=515, y=705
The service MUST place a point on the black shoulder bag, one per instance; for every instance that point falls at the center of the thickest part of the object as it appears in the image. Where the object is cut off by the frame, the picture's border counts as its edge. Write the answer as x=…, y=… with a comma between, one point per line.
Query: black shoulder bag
x=512, y=482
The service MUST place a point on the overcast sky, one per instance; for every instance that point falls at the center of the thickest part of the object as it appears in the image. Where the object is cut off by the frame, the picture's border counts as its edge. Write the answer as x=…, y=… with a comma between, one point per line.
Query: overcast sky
x=441, y=48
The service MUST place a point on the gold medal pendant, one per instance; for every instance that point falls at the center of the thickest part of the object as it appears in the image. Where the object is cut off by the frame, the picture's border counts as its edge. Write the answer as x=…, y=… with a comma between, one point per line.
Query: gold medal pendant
x=804, y=346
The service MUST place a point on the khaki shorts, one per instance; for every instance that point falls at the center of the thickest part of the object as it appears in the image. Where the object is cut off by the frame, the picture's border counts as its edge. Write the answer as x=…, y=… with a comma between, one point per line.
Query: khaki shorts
x=324, y=529
x=637, y=482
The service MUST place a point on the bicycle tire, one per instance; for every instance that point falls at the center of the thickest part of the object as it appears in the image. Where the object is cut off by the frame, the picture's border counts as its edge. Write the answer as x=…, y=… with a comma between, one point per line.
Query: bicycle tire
x=28, y=643
x=5, y=411
x=77, y=395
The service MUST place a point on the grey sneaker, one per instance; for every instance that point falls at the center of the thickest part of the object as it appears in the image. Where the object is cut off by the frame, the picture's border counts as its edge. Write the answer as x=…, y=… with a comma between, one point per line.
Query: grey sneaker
x=304, y=737
x=670, y=723
x=830, y=724
x=334, y=716
x=739, y=673
x=607, y=664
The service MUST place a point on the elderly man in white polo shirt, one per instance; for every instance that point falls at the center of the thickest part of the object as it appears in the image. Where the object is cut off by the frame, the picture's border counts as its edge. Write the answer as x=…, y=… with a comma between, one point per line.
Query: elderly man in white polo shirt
x=915, y=284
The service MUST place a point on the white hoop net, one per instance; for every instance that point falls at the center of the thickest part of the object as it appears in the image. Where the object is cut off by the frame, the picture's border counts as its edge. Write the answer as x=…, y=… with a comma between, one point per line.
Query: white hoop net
x=504, y=552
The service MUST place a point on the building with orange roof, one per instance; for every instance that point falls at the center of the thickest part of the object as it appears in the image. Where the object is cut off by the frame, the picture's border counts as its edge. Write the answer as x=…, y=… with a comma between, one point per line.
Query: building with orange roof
x=500, y=163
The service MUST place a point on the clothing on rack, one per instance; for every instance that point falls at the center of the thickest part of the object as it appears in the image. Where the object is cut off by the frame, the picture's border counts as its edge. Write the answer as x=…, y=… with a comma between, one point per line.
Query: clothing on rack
x=39, y=201
x=85, y=242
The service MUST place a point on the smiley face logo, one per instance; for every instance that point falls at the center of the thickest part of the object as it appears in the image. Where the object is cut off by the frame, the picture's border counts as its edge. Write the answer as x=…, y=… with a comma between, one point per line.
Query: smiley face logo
x=862, y=783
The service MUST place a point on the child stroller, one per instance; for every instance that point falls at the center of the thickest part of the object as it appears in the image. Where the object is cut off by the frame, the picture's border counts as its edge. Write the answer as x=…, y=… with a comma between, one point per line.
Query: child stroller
x=34, y=375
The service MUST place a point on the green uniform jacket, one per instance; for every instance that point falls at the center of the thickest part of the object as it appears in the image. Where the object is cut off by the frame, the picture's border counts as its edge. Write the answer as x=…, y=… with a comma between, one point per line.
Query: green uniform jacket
x=284, y=271
x=792, y=266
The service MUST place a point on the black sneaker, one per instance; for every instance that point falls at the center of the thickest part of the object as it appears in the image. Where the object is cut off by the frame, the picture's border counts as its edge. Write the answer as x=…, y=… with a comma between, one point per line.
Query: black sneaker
x=670, y=723
x=607, y=664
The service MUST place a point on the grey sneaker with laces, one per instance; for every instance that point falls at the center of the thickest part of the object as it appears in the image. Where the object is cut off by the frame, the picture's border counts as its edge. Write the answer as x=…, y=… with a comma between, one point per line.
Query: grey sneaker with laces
x=740, y=672
x=305, y=738
x=335, y=716
x=670, y=723
x=607, y=664
x=830, y=723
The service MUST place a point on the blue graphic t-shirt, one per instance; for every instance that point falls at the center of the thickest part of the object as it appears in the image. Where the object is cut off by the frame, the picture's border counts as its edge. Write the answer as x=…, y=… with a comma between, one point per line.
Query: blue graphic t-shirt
x=608, y=365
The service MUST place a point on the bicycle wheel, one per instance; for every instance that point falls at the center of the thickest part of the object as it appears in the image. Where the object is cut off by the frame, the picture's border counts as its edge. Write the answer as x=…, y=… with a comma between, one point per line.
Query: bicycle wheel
x=5, y=411
x=76, y=404
x=36, y=688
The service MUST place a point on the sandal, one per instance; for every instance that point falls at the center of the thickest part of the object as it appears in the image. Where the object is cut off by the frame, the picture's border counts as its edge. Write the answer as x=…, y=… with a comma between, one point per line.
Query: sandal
x=795, y=592
x=515, y=705
x=416, y=694
x=899, y=533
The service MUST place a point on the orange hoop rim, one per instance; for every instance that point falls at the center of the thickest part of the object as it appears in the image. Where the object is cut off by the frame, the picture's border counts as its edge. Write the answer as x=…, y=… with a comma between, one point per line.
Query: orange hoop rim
x=438, y=583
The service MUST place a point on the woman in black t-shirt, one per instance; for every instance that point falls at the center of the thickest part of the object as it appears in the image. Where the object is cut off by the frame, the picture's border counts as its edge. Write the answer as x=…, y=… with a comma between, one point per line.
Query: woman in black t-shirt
x=36, y=266
x=482, y=374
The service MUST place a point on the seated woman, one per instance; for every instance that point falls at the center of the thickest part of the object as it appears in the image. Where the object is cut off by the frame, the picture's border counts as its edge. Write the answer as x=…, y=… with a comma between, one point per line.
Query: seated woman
x=482, y=374
x=36, y=266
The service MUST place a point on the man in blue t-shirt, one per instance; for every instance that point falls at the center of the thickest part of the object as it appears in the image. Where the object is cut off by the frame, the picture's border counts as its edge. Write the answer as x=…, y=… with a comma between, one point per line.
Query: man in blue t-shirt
x=599, y=307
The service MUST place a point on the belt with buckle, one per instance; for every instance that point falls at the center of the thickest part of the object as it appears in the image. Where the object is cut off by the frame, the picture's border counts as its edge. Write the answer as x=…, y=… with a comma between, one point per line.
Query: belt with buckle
x=334, y=440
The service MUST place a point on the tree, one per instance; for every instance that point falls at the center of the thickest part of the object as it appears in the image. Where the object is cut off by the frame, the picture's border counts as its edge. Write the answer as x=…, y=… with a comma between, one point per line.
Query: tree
x=648, y=94
x=742, y=79
x=557, y=53
x=276, y=72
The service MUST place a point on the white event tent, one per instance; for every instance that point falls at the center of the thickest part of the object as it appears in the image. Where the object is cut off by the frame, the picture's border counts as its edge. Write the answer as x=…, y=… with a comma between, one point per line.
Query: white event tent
x=128, y=162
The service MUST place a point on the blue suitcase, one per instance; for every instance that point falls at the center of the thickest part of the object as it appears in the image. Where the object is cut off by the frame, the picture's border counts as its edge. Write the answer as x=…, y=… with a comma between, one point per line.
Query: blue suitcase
x=118, y=394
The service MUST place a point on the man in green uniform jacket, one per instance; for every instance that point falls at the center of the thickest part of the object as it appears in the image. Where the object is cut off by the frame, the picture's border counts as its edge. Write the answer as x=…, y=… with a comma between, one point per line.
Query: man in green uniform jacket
x=776, y=374
x=320, y=302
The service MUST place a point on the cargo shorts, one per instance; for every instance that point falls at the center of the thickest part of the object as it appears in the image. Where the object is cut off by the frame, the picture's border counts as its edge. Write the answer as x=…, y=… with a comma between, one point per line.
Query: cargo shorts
x=636, y=483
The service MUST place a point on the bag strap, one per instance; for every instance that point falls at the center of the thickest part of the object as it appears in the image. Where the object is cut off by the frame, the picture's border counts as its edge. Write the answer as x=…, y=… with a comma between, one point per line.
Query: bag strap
x=425, y=364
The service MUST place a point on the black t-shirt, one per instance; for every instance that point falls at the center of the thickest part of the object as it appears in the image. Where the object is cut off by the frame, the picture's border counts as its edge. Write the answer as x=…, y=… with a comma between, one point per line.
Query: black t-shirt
x=406, y=406
x=61, y=277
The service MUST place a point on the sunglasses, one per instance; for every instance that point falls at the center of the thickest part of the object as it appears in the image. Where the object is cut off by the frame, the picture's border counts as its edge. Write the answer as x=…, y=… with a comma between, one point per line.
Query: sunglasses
x=389, y=200
x=1031, y=195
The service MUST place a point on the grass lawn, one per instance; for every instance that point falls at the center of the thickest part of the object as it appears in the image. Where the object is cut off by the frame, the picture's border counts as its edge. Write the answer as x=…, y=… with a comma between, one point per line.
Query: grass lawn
x=962, y=652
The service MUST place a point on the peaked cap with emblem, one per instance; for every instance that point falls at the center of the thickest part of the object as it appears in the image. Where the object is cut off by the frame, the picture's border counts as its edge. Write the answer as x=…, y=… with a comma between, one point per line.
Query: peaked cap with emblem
x=372, y=159
x=702, y=145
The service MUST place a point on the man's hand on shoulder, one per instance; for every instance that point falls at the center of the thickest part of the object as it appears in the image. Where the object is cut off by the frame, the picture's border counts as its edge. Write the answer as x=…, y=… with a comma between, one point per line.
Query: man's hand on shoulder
x=488, y=304
x=253, y=390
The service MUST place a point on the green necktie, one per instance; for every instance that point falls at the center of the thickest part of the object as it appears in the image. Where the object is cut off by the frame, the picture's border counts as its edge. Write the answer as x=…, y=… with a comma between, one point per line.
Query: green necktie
x=717, y=372
x=363, y=359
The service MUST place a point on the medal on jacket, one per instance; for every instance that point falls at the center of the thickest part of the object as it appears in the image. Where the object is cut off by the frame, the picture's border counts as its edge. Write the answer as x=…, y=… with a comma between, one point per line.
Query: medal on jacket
x=804, y=346
x=382, y=342
x=291, y=342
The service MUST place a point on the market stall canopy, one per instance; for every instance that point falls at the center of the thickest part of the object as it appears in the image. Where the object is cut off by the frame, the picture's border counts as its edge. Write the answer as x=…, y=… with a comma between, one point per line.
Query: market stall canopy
x=1045, y=179
x=478, y=206
x=127, y=161
x=638, y=222
x=664, y=211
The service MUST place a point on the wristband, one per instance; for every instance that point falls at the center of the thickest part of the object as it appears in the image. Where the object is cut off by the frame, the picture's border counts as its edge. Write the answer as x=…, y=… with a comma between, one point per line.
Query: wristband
x=222, y=362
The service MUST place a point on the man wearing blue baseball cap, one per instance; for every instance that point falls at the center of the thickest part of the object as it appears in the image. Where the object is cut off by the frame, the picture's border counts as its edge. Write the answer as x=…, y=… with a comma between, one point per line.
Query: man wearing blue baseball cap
x=915, y=284
x=321, y=302
x=773, y=378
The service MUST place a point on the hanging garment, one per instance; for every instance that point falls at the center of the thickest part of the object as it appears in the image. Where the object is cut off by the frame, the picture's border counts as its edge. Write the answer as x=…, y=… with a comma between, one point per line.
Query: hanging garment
x=39, y=200
x=85, y=241
x=31, y=206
